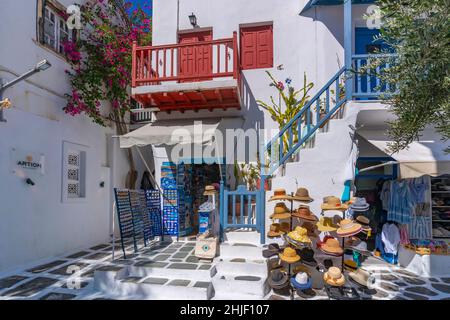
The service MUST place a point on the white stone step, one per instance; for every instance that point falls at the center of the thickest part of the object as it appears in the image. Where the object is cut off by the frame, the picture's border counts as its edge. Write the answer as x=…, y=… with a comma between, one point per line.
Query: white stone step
x=249, y=285
x=236, y=296
x=246, y=268
x=193, y=274
x=228, y=251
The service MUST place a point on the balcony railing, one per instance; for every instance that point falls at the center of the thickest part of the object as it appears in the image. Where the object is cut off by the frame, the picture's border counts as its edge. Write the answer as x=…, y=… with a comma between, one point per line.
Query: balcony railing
x=186, y=62
x=367, y=84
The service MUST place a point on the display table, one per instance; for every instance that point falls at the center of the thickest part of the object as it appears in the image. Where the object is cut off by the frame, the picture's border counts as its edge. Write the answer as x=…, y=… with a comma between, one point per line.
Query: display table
x=424, y=265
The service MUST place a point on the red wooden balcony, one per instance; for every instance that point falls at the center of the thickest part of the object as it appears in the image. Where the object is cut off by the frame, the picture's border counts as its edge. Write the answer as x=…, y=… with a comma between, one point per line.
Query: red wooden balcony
x=191, y=75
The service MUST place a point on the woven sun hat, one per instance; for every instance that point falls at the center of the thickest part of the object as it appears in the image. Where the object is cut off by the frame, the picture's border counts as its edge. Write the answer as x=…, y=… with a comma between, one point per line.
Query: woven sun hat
x=359, y=204
x=361, y=277
x=307, y=257
x=326, y=224
x=280, y=211
x=289, y=255
x=303, y=212
x=278, y=279
x=301, y=281
x=364, y=222
x=348, y=228
x=332, y=247
x=301, y=268
x=210, y=190
x=300, y=235
x=302, y=195
x=350, y=265
x=285, y=227
x=274, y=231
x=280, y=194
x=333, y=203
x=334, y=277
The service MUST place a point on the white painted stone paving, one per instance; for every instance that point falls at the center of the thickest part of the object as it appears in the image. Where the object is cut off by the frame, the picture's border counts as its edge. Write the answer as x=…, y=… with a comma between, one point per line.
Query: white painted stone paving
x=52, y=280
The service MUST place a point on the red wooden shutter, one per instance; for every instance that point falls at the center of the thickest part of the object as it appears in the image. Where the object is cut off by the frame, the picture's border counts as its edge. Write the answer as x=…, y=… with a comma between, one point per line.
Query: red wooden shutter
x=257, y=47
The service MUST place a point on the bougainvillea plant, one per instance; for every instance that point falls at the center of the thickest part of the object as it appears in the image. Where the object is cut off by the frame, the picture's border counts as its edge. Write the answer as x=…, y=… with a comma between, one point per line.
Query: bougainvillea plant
x=101, y=59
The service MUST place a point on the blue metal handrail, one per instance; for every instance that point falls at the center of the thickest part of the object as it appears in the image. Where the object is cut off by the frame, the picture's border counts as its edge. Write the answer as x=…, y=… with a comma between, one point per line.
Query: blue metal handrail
x=310, y=127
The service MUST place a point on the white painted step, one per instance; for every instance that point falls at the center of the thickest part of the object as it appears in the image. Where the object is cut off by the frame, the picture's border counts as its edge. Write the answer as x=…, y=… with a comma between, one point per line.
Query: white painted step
x=248, y=285
x=194, y=274
x=242, y=236
x=228, y=251
x=228, y=267
x=236, y=296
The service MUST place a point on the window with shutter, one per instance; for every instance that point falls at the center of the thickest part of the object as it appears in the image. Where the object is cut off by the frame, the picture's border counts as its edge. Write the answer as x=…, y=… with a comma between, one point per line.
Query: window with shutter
x=257, y=47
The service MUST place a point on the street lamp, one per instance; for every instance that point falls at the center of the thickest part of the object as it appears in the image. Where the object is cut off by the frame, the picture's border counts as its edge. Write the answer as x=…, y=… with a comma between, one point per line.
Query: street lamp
x=193, y=20
x=40, y=66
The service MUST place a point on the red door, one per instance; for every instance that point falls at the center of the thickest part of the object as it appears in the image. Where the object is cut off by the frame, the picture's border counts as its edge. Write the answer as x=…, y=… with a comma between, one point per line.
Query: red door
x=195, y=61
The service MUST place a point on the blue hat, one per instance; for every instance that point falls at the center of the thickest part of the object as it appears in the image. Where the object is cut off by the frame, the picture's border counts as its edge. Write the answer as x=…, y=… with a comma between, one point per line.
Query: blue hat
x=301, y=281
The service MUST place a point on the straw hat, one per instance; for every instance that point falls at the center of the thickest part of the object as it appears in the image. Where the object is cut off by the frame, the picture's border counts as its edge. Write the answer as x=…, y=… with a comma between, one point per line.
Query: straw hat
x=301, y=268
x=359, y=204
x=280, y=194
x=301, y=281
x=303, y=212
x=326, y=224
x=280, y=211
x=302, y=195
x=285, y=227
x=300, y=235
x=274, y=230
x=364, y=222
x=333, y=203
x=361, y=277
x=277, y=279
x=334, y=277
x=210, y=190
x=332, y=247
x=289, y=255
x=348, y=228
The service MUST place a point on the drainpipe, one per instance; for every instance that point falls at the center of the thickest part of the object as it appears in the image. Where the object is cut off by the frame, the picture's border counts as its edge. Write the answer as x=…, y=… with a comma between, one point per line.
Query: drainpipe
x=1, y=98
x=348, y=35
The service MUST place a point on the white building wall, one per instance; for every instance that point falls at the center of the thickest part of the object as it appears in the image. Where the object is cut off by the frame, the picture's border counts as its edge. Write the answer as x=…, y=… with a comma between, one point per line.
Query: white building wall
x=34, y=222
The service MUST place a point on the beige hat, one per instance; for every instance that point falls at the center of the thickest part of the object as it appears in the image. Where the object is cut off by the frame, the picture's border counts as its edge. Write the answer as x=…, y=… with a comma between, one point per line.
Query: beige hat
x=334, y=277
x=304, y=213
x=302, y=195
x=300, y=235
x=289, y=255
x=280, y=211
x=209, y=191
x=361, y=277
x=280, y=194
x=331, y=246
x=333, y=203
x=274, y=230
x=348, y=228
x=326, y=224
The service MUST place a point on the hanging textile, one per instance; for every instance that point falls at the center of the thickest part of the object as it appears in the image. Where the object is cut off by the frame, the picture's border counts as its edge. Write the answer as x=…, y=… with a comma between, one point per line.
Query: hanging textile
x=401, y=203
x=390, y=236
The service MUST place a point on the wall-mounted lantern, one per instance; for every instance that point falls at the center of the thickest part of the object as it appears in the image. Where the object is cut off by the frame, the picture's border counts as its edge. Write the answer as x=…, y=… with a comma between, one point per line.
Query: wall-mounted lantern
x=193, y=20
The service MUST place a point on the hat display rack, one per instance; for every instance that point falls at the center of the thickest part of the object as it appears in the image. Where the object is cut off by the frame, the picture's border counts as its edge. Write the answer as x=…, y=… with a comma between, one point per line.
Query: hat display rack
x=301, y=196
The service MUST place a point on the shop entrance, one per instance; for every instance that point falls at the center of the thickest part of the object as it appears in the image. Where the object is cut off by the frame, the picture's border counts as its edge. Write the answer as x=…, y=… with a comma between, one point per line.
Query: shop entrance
x=192, y=178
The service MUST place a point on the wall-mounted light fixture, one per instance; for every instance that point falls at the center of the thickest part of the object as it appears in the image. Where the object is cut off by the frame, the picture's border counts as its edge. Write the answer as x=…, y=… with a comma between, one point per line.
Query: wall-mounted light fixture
x=30, y=182
x=193, y=20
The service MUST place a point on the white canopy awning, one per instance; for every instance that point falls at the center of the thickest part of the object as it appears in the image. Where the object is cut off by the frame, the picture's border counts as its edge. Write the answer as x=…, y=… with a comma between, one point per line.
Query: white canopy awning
x=171, y=132
x=424, y=157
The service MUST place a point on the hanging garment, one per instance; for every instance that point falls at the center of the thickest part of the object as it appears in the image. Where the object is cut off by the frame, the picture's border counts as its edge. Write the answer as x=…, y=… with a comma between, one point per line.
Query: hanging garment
x=419, y=188
x=404, y=237
x=419, y=228
x=401, y=203
x=385, y=195
x=390, y=236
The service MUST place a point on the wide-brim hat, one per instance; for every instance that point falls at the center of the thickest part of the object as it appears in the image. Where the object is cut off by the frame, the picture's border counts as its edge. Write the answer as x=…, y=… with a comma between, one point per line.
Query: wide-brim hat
x=280, y=211
x=289, y=255
x=302, y=195
x=332, y=246
x=210, y=190
x=326, y=224
x=301, y=268
x=278, y=279
x=300, y=235
x=334, y=277
x=280, y=194
x=307, y=257
x=275, y=230
x=348, y=228
x=364, y=222
x=310, y=227
x=350, y=265
x=361, y=277
x=285, y=227
x=359, y=204
x=333, y=203
x=299, y=285
x=303, y=212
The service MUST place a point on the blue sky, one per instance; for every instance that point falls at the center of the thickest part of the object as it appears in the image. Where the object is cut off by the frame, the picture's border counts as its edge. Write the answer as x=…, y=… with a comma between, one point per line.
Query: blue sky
x=141, y=3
